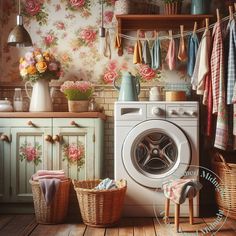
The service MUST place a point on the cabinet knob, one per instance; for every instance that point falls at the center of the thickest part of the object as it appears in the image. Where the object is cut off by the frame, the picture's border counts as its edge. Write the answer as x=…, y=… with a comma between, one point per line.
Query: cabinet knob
x=48, y=138
x=30, y=123
x=5, y=138
x=74, y=123
x=56, y=138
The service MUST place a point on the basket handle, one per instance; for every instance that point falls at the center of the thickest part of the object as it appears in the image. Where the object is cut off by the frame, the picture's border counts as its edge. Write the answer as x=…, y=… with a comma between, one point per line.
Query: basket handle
x=223, y=160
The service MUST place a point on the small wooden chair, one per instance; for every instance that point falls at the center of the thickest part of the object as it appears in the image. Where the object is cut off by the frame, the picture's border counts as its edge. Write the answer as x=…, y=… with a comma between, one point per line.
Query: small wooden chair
x=177, y=211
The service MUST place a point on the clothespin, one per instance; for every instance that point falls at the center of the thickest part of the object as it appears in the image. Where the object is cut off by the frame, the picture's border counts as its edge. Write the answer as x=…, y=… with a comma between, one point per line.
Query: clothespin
x=170, y=33
x=234, y=6
x=207, y=23
x=138, y=32
x=218, y=14
x=182, y=30
x=156, y=34
x=195, y=27
x=231, y=13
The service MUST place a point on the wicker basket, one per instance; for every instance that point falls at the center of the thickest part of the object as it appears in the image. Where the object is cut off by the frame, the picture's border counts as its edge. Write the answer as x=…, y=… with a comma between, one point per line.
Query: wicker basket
x=99, y=208
x=226, y=201
x=56, y=212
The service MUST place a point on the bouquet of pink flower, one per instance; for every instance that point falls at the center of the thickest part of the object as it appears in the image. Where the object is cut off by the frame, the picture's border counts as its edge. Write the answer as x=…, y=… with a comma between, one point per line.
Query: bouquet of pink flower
x=78, y=90
x=36, y=65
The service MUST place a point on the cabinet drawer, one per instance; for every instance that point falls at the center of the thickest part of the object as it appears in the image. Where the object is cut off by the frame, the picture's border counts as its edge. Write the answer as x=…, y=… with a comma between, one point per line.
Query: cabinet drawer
x=73, y=122
x=26, y=122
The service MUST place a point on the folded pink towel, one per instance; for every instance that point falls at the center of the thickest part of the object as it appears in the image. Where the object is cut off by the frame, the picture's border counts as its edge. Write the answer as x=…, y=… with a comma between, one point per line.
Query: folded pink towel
x=178, y=190
x=50, y=172
x=60, y=177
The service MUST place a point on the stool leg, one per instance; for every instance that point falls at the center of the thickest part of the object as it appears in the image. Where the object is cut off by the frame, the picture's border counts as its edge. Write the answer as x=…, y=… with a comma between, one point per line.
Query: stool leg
x=177, y=210
x=167, y=210
x=191, y=211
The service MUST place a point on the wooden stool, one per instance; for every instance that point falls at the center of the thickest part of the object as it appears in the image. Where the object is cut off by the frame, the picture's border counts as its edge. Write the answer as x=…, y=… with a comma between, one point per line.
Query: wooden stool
x=177, y=211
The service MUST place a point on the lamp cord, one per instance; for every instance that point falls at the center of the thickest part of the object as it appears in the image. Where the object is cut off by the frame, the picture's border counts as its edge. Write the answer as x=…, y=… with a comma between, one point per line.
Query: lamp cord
x=102, y=14
x=19, y=7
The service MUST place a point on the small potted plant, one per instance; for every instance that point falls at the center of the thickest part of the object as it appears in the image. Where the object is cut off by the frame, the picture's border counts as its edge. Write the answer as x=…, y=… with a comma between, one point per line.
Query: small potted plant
x=172, y=7
x=78, y=94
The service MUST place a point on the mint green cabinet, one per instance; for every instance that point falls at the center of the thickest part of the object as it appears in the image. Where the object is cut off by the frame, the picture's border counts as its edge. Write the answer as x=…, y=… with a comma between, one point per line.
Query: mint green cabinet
x=29, y=144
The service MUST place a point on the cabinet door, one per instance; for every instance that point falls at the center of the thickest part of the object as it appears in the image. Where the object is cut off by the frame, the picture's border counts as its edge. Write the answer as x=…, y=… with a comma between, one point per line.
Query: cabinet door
x=74, y=153
x=30, y=152
x=5, y=156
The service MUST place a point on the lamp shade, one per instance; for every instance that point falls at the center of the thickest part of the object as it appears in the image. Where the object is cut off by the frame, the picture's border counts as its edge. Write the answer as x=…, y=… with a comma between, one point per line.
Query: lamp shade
x=19, y=37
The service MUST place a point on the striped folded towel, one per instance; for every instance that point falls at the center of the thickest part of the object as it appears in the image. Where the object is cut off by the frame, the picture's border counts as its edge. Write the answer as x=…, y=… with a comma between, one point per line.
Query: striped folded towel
x=178, y=190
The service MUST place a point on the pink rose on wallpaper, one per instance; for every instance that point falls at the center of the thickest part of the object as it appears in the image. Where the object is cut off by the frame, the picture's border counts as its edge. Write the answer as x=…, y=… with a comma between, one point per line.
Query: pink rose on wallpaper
x=88, y=35
x=60, y=25
x=108, y=15
x=48, y=39
x=77, y=3
x=112, y=65
x=110, y=76
x=146, y=72
x=32, y=7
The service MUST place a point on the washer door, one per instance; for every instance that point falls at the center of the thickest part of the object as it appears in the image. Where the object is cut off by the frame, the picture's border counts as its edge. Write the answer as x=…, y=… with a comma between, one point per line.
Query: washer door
x=156, y=151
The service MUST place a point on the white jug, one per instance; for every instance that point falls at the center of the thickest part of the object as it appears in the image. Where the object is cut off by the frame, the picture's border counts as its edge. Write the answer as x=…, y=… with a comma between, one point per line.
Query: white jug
x=41, y=98
x=155, y=93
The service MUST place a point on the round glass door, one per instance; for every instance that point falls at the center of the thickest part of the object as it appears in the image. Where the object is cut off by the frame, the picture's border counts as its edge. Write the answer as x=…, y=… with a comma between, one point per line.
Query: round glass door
x=154, y=151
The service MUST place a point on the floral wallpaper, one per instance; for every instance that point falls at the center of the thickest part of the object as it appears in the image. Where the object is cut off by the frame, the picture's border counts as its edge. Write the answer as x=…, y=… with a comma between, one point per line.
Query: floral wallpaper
x=69, y=29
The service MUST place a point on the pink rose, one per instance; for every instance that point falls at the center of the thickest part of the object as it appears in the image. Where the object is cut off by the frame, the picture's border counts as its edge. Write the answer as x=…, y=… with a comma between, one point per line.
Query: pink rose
x=88, y=35
x=77, y=3
x=108, y=16
x=60, y=25
x=146, y=72
x=49, y=39
x=75, y=153
x=110, y=76
x=53, y=66
x=112, y=65
x=30, y=153
x=32, y=7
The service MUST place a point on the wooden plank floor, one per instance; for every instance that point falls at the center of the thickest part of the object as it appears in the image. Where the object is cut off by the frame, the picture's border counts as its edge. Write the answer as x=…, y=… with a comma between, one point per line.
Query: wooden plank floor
x=24, y=225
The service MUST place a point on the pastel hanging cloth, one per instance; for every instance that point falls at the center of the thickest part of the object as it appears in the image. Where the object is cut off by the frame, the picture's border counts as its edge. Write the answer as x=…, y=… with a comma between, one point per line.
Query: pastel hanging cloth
x=171, y=57
x=202, y=65
x=156, y=54
x=218, y=87
x=193, y=45
x=182, y=53
x=107, y=48
x=231, y=75
x=146, y=53
x=137, y=59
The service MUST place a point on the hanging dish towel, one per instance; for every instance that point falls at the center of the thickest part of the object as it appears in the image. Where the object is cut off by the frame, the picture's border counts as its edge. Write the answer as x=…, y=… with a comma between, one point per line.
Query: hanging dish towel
x=202, y=63
x=182, y=54
x=171, y=57
x=146, y=53
x=156, y=54
x=218, y=88
x=138, y=53
x=193, y=45
x=231, y=77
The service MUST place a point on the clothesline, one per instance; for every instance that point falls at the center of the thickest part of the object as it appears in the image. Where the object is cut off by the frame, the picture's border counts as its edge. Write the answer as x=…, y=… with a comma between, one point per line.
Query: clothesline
x=174, y=36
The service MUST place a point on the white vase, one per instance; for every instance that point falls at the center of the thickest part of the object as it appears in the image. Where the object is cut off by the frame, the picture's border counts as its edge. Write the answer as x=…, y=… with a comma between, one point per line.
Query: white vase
x=78, y=106
x=40, y=100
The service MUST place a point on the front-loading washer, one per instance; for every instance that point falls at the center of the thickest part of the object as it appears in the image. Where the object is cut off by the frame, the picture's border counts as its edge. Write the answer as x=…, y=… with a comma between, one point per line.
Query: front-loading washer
x=155, y=142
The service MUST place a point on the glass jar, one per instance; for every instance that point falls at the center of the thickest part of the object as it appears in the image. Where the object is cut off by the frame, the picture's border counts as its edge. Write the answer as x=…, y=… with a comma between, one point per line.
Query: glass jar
x=18, y=100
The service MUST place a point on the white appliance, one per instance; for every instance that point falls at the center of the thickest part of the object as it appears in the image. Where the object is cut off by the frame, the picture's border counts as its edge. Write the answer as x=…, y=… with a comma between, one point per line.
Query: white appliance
x=155, y=142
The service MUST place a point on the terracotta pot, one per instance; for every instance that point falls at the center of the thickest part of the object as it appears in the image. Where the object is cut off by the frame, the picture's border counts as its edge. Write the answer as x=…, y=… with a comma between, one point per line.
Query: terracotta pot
x=172, y=8
x=78, y=106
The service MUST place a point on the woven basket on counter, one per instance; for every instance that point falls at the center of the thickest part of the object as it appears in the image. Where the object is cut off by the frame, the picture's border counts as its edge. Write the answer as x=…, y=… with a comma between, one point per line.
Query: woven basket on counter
x=226, y=200
x=100, y=208
x=56, y=212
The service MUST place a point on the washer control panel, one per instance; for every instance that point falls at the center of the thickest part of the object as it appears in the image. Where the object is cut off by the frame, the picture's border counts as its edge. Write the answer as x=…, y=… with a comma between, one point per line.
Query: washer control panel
x=181, y=111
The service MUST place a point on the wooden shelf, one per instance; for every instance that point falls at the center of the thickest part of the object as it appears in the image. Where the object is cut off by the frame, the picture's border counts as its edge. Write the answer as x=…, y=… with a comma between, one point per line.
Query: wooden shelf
x=158, y=22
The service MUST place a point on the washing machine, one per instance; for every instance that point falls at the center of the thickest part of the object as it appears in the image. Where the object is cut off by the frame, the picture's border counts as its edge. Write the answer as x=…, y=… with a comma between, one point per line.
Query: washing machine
x=155, y=142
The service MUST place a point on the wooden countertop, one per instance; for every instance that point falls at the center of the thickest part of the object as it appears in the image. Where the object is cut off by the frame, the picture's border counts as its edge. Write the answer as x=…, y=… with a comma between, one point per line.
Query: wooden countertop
x=52, y=115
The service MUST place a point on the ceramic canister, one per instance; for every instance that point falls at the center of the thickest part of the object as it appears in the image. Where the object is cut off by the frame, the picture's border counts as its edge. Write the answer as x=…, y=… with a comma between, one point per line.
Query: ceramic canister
x=200, y=6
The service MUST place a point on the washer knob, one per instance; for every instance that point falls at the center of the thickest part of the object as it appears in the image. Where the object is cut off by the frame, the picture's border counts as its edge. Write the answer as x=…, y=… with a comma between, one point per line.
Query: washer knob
x=192, y=113
x=172, y=112
x=156, y=111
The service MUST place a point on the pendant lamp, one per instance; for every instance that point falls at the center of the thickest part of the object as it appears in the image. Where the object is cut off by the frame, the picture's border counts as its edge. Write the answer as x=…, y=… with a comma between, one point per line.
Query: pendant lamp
x=19, y=37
